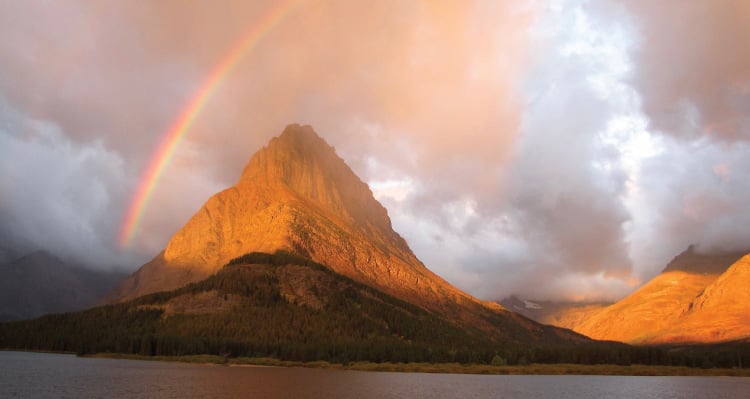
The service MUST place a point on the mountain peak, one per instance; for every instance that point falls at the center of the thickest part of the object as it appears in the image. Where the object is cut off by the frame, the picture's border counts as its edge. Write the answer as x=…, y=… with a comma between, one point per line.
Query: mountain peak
x=300, y=141
x=300, y=135
x=38, y=257
x=295, y=194
x=302, y=166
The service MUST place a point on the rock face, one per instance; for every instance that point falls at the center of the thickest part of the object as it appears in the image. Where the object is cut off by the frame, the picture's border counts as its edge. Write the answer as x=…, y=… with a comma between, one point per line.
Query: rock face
x=696, y=299
x=297, y=195
x=721, y=312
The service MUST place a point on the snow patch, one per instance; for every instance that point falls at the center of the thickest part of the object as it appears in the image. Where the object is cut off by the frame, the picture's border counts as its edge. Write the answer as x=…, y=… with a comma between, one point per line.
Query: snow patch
x=531, y=305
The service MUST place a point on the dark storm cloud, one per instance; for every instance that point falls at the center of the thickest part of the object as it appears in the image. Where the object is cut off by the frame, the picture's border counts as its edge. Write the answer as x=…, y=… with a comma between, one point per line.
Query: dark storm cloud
x=58, y=195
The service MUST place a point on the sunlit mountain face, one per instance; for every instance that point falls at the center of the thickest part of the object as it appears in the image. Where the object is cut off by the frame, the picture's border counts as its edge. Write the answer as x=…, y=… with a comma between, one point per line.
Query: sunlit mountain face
x=559, y=151
x=698, y=298
x=296, y=196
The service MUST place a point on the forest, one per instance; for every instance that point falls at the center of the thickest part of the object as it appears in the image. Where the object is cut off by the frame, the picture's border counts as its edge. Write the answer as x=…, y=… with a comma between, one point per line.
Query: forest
x=353, y=322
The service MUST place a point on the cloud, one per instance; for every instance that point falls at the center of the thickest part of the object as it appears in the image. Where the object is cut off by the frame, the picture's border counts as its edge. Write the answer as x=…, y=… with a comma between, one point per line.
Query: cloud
x=587, y=203
x=413, y=72
x=565, y=197
x=694, y=66
x=58, y=195
x=696, y=193
x=557, y=149
x=692, y=75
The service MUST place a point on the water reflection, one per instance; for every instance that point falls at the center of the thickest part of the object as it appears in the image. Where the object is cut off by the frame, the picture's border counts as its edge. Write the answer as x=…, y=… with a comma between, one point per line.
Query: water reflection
x=37, y=375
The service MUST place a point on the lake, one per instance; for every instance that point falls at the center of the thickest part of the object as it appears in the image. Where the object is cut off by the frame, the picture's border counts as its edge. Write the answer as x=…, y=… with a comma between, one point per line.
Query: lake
x=42, y=375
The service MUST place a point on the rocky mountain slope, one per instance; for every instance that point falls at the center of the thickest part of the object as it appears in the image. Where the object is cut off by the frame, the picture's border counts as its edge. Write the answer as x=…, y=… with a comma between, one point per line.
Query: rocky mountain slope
x=721, y=312
x=297, y=195
x=698, y=298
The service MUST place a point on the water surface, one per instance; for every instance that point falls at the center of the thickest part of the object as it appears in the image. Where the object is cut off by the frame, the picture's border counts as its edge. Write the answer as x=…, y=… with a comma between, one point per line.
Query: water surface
x=42, y=375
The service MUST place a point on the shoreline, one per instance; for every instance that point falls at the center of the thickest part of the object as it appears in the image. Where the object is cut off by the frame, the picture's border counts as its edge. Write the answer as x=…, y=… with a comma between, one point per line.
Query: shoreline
x=446, y=368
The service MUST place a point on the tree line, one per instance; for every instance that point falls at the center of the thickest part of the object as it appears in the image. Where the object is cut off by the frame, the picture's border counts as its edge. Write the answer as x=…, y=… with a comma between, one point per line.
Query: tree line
x=355, y=323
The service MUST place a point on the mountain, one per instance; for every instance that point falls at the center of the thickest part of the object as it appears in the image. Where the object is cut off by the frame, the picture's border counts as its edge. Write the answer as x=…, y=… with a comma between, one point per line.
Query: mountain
x=698, y=298
x=721, y=312
x=560, y=314
x=40, y=283
x=284, y=306
x=297, y=195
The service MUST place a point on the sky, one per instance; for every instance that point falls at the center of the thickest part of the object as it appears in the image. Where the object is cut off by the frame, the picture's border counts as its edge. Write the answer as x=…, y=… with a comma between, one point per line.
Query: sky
x=558, y=150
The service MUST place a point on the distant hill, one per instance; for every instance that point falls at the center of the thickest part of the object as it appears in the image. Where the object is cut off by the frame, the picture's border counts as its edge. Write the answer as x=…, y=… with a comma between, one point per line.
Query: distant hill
x=40, y=283
x=560, y=314
x=7, y=254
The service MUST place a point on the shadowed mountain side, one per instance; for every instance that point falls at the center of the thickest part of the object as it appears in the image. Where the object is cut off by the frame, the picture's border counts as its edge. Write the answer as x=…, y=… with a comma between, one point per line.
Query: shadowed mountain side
x=297, y=195
x=691, y=261
x=40, y=283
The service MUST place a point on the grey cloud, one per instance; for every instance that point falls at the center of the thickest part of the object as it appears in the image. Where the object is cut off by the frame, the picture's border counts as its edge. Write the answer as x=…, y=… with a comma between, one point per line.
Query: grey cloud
x=693, y=77
x=699, y=190
x=559, y=200
x=59, y=195
x=694, y=66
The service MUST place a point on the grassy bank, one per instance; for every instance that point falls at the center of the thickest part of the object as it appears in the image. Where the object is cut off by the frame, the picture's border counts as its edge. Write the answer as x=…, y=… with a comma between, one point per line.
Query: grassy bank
x=451, y=368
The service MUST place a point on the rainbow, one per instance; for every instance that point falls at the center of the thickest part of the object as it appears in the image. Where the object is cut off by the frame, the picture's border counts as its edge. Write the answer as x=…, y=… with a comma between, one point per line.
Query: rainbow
x=172, y=137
